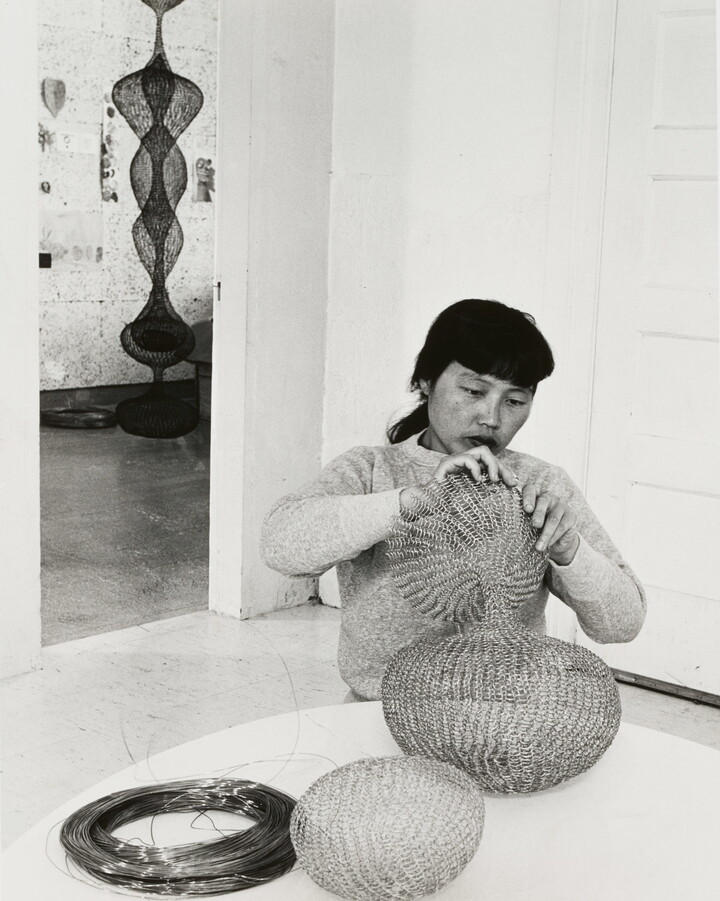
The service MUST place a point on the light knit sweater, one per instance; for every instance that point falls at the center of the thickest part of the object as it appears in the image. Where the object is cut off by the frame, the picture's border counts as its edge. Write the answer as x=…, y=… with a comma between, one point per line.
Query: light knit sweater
x=343, y=517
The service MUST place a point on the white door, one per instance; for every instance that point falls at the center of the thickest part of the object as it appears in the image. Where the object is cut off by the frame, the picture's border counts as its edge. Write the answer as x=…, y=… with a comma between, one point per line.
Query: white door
x=654, y=453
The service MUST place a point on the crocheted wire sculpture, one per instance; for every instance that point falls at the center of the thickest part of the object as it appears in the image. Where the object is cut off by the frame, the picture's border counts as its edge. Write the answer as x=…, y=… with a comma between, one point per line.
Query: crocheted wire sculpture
x=388, y=828
x=516, y=710
x=159, y=105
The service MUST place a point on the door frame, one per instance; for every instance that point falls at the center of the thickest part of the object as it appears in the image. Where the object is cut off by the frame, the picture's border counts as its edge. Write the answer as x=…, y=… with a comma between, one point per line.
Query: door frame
x=270, y=307
x=227, y=416
x=581, y=127
x=20, y=438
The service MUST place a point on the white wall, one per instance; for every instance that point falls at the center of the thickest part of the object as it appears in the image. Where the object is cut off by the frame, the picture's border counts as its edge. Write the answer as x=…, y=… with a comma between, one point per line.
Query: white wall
x=275, y=109
x=466, y=161
x=19, y=435
x=442, y=141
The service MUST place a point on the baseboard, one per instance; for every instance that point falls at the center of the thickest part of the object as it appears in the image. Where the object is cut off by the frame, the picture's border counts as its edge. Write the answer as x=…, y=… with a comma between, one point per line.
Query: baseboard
x=668, y=688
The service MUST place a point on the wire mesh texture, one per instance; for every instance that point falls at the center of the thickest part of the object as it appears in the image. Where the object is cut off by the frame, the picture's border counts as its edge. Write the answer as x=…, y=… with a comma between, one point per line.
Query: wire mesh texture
x=518, y=711
x=238, y=861
x=461, y=542
x=388, y=828
x=157, y=414
x=159, y=105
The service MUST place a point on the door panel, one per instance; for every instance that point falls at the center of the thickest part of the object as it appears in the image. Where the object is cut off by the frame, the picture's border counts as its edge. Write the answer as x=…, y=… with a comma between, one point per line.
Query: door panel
x=654, y=451
x=660, y=548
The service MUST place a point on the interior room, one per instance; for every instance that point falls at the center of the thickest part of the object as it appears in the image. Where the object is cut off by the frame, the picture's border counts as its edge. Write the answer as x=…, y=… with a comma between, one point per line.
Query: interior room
x=229, y=239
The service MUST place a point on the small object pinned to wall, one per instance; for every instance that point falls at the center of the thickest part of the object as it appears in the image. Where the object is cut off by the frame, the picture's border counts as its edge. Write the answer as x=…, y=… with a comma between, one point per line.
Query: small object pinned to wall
x=108, y=151
x=72, y=237
x=45, y=187
x=203, y=175
x=45, y=137
x=76, y=141
x=53, y=94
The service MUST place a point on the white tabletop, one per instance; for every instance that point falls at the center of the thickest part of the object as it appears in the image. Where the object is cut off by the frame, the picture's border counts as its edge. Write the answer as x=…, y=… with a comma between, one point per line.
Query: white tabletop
x=642, y=825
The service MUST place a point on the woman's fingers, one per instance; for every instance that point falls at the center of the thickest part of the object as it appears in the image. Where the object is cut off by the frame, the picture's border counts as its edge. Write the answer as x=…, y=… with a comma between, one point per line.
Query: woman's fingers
x=508, y=476
x=494, y=468
x=566, y=523
x=557, y=523
x=476, y=461
x=552, y=516
x=529, y=496
x=458, y=463
x=564, y=548
x=489, y=460
x=542, y=505
x=549, y=515
x=475, y=469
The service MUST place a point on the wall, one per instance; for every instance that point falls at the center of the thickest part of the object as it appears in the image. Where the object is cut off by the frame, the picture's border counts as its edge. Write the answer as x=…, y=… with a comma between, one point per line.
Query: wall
x=19, y=438
x=467, y=160
x=90, y=45
x=276, y=74
x=442, y=143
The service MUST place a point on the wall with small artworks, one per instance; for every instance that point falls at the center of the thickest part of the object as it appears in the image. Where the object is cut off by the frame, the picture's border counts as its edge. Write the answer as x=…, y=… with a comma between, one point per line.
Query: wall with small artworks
x=91, y=280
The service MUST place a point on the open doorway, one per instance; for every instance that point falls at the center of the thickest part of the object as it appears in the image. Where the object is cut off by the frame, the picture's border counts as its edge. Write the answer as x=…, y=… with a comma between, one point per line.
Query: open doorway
x=124, y=517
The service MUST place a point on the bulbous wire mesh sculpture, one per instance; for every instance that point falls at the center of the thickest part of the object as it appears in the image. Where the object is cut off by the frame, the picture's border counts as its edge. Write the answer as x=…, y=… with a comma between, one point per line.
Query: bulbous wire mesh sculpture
x=388, y=828
x=516, y=710
x=159, y=105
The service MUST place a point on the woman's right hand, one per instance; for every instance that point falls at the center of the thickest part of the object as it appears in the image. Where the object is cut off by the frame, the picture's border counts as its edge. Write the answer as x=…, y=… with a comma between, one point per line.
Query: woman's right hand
x=474, y=461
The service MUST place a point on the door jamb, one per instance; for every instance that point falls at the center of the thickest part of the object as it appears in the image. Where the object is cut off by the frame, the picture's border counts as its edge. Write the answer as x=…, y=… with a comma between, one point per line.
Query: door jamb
x=583, y=93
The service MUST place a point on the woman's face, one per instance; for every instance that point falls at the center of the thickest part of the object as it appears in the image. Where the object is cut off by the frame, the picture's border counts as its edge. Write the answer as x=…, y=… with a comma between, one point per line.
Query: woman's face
x=467, y=409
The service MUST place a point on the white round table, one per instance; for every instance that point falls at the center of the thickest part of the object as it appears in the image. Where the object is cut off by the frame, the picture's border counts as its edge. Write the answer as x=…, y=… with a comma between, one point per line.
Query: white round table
x=642, y=825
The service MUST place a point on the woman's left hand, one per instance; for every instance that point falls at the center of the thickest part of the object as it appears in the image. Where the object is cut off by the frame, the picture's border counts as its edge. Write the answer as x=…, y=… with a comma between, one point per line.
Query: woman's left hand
x=556, y=521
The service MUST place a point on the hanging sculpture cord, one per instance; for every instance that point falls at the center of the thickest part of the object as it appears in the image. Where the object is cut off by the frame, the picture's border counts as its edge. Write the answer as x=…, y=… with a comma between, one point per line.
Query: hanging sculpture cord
x=518, y=711
x=159, y=105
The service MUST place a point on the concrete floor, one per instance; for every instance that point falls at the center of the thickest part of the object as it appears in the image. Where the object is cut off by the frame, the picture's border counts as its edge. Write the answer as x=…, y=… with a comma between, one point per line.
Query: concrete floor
x=124, y=529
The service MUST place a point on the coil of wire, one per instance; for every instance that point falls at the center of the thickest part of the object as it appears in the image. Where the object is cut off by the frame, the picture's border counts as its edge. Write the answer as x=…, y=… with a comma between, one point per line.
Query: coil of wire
x=234, y=862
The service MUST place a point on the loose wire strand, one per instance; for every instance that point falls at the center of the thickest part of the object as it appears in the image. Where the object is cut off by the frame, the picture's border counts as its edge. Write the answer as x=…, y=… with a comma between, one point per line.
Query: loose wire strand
x=231, y=863
x=77, y=852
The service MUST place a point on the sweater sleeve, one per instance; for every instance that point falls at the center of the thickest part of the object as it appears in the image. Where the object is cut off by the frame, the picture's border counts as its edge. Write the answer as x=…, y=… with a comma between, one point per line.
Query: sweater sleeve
x=598, y=585
x=330, y=519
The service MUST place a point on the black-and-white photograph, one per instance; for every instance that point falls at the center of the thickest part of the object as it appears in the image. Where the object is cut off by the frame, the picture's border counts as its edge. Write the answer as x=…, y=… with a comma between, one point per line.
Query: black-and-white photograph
x=361, y=450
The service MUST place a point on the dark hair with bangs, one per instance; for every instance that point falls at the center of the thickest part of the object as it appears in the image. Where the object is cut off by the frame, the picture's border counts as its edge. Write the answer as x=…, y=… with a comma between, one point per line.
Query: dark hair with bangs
x=485, y=336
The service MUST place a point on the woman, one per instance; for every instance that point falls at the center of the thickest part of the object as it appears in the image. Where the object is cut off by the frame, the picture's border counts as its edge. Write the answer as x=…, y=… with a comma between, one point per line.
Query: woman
x=476, y=375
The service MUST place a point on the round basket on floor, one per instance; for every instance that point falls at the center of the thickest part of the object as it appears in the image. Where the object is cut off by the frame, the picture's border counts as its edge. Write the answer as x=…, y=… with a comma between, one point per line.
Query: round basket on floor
x=157, y=414
x=388, y=828
x=516, y=710
x=80, y=418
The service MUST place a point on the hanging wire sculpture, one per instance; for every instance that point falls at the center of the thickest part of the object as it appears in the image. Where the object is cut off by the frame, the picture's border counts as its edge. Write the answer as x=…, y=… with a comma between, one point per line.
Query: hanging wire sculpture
x=388, y=828
x=159, y=105
x=234, y=862
x=518, y=711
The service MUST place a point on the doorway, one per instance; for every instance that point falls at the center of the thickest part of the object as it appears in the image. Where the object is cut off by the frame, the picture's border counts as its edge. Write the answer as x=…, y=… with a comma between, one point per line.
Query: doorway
x=124, y=519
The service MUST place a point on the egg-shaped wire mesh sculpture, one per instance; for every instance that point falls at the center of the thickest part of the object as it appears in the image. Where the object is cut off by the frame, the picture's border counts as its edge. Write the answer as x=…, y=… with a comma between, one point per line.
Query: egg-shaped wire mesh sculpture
x=388, y=828
x=159, y=105
x=518, y=711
